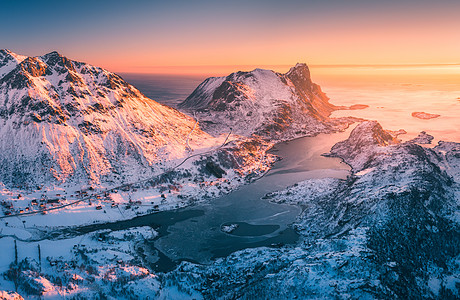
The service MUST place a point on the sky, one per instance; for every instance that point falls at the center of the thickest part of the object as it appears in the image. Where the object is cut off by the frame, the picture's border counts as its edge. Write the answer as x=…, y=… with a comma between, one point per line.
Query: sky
x=189, y=36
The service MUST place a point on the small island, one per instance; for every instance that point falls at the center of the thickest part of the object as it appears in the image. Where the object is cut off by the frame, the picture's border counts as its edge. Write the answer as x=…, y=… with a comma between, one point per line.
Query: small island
x=353, y=107
x=424, y=115
x=358, y=106
x=229, y=228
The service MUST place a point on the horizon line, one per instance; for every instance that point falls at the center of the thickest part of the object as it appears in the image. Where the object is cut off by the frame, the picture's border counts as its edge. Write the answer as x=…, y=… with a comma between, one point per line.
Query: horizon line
x=309, y=65
x=224, y=69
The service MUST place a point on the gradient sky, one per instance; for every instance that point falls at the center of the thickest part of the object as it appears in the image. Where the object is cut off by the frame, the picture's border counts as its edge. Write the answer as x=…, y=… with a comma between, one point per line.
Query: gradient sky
x=184, y=36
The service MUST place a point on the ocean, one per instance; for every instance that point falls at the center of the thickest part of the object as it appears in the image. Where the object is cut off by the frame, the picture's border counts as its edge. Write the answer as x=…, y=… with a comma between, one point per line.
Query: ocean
x=393, y=93
x=167, y=89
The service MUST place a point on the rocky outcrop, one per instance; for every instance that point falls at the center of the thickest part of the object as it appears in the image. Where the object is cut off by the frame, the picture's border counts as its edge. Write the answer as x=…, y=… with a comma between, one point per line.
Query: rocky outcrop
x=423, y=138
x=364, y=141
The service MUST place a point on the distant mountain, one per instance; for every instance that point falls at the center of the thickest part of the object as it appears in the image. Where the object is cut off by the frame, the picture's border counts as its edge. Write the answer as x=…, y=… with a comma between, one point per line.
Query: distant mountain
x=65, y=120
x=265, y=103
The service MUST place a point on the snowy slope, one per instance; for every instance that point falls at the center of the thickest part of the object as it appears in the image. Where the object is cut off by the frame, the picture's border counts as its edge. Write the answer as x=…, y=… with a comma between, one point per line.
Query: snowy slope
x=265, y=103
x=389, y=231
x=66, y=120
x=9, y=61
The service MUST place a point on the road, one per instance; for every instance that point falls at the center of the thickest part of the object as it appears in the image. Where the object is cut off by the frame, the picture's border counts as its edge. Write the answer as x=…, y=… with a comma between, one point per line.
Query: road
x=92, y=196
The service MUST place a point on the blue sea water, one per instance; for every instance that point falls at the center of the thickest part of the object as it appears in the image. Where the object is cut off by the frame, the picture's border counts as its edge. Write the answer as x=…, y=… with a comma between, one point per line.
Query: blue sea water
x=166, y=89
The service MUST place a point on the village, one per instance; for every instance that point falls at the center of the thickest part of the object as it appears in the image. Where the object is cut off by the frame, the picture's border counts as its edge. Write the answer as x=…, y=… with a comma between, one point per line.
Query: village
x=156, y=194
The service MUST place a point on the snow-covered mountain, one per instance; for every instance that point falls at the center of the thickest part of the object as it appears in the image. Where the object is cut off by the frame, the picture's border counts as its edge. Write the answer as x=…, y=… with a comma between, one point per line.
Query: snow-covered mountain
x=389, y=231
x=9, y=61
x=61, y=119
x=265, y=103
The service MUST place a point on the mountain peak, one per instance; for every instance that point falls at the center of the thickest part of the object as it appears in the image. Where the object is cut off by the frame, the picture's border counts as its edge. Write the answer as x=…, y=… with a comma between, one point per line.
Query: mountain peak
x=6, y=54
x=372, y=133
x=9, y=61
x=302, y=67
x=364, y=139
x=262, y=102
x=56, y=59
x=300, y=70
x=5, y=51
x=34, y=66
x=66, y=120
x=52, y=54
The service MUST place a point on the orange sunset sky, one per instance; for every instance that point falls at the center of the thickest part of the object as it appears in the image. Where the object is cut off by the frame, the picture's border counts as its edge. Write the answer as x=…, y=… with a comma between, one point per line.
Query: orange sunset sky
x=213, y=36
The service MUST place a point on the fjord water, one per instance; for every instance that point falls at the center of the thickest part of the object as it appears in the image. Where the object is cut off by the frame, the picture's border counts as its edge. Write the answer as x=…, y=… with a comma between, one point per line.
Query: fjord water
x=392, y=96
x=196, y=234
x=264, y=223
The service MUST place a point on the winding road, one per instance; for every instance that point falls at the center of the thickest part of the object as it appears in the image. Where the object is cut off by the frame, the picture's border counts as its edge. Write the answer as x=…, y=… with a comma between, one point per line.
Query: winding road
x=102, y=192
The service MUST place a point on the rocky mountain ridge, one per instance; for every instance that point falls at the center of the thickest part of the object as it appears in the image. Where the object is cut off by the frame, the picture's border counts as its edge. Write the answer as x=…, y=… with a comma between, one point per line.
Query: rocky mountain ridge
x=264, y=103
x=62, y=119
x=391, y=230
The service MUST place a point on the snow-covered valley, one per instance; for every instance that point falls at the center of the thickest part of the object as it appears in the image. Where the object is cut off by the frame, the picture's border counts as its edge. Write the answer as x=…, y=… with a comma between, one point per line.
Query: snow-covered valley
x=204, y=208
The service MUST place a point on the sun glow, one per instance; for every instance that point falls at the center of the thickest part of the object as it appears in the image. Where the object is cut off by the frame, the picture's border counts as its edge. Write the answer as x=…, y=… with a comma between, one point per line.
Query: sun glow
x=205, y=38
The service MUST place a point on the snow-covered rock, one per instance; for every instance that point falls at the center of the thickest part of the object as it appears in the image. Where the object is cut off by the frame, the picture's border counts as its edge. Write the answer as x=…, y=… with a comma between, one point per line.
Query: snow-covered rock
x=63, y=120
x=9, y=61
x=9, y=295
x=391, y=230
x=366, y=138
x=423, y=138
x=265, y=103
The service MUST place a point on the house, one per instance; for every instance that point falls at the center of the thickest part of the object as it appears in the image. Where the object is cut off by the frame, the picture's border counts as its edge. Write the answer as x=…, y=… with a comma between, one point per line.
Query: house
x=54, y=200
